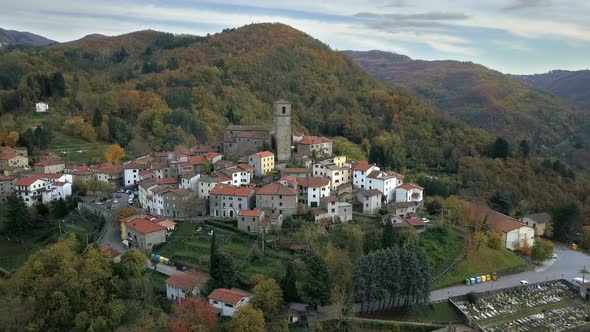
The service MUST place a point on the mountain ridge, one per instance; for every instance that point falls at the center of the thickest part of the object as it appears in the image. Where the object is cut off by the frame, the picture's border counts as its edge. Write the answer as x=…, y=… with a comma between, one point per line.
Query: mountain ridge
x=570, y=85
x=23, y=38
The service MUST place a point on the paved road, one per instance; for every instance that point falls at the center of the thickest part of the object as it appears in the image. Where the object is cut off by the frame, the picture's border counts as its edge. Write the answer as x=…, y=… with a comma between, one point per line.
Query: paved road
x=566, y=266
x=112, y=232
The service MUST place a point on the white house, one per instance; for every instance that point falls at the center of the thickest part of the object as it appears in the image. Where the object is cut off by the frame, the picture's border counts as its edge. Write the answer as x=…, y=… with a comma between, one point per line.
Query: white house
x=240, y=175
x=188, y=283
x=262, y=162
x=228, y=300
x=514, y=233
x=335, y=169
x=312, y=189
x=60, y=190
x=190, y=181
x=338, y=211
x=228, y=201
x=370, y=199
x=385, y=182
x=31, y=189
x=41, y=107
x=131, y=172
x=360, y=171
x=206, y=183
x=409, y=192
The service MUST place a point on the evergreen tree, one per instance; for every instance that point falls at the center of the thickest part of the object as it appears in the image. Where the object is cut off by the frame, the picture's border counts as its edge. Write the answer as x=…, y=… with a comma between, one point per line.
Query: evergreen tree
x=388, y=239
x=500, y=149
x=18, y=217
x=525, y=149
x=60, y=209
x=288, y=284
x=97, y=118
x=317, y=287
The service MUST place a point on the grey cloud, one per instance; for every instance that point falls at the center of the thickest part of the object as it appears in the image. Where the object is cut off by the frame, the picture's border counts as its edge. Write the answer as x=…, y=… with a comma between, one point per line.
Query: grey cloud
x=395, y=4
x=431, y=16
x=525, y=4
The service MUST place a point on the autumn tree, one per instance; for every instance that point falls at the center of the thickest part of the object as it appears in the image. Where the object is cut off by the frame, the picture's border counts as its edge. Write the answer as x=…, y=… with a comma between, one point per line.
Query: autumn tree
x=114, y=154
x=495, y=241
x=268, y=297
x=542, y=250
x=192, y=314
x=248, y=319
x=123, y=212
x=12, y=138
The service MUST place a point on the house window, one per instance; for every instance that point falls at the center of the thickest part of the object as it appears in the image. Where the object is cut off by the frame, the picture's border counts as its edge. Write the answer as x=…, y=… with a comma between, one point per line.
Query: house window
x=284, y=110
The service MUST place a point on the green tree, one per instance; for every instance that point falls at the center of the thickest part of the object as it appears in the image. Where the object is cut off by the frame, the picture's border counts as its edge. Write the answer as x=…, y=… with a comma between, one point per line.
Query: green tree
x=248, y=319
x=542, y=250
x=97, y=118
x=525, y=149
x=132, y=265
x=566, y=223
x=60, y=209
x=495, y=241
x=19, y=220
x=268, y=297
x=288, y=284
x=500, y=149
x=388, y=239
x=317, y=286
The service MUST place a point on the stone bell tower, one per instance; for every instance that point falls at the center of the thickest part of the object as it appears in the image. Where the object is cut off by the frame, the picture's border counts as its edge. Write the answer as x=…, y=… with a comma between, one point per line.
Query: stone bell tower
x=282, y=129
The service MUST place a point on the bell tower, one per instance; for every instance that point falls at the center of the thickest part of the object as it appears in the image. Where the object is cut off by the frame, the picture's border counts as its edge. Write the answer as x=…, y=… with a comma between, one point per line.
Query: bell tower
x=282, y=129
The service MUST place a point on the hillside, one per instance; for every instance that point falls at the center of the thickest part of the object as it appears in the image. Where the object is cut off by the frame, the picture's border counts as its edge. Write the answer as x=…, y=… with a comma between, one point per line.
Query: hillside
x=20, y=38
x=572, y=86
x=490, y=100
x=152, y=90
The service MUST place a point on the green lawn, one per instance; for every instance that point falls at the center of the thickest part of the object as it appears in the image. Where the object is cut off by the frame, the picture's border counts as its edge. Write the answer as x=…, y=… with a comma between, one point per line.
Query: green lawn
x=158, y=280
x=484, y=261
x=442, y=245
x=191, y=248
x=75, y=149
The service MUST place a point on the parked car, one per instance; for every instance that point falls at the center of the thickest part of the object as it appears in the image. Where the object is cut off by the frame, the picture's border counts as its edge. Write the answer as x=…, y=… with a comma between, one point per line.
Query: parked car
x=130, y=201
x=116, y=201
x=554, y=255
x=524, y=282
x=128, y=192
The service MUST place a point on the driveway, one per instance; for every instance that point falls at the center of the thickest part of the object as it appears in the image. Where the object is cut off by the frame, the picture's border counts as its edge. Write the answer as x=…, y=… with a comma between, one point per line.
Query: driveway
x=566, y=266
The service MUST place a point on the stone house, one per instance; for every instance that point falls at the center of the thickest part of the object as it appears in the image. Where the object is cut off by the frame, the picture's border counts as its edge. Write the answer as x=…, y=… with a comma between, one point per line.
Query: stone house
x=182, y=285
x=277, y=198
x=226, y=200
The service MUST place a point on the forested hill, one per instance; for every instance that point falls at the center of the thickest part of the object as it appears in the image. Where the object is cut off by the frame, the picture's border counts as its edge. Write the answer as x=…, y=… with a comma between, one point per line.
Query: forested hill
x=153, y=90
x=490, y=100
x=21, y=38
x=573, y=86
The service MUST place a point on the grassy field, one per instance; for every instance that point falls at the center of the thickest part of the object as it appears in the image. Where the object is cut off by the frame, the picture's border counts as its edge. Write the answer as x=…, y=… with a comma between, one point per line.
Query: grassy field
x=485, y=261
x=14, y=252
x=442, y=244
x=158, y=280
x=76, y=150
x=437, y=312
x=191, y=248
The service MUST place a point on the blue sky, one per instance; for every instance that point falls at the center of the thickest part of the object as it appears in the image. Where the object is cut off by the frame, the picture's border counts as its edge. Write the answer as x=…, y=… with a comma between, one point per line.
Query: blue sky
x=512, y=36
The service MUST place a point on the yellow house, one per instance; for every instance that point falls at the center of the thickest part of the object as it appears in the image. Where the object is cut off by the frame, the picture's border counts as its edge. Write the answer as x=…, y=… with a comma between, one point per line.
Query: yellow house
x=262, y=162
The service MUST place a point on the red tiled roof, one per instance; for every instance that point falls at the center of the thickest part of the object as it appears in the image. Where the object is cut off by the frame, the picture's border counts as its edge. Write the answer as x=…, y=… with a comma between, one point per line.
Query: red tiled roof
x=362, y=166
x=197, y=160
x=166, y=181
x=416, y=195
x=307, y=140
x=498, y=220
x=27, y=181
x=6, y=178
x=250, y=213
x=374, y=174
x=245, y=167
x=109, y=251
x=59, y=184
x=144, y=226
x=135, y=165
x=288, y=179
x=409, y=186
x=211, y=155
x=264, y=154
x=189, y=279
x=415, y=222
x=227, y=190
x=227, y=295
x=8, y=156
x=276, y=188
x=313, y=181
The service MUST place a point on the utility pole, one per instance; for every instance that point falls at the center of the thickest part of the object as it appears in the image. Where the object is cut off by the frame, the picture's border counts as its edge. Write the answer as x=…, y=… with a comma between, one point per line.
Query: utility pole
x=59, y=224
x=262, y=243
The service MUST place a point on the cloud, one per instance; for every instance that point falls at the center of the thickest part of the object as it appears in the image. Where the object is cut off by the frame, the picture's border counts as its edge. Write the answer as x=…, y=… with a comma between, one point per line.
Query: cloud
x=394, y=4
x=526, y=4
x=430, y=16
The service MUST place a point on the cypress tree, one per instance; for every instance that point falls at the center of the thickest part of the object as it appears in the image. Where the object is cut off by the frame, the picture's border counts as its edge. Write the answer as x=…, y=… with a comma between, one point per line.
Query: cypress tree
x=317, y=288
x=288, y=284
x=388, y=239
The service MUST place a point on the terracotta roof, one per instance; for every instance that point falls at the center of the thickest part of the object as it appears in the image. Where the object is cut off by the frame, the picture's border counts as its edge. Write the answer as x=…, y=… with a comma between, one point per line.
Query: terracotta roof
x=394, y=174
x=166, y=181
x=203, y=149
x=227, y=190
x=211, y=155
x=189, y=279
x=264, y=154
x=307, y=140
x=362, y=166
x=245, y=167
x=371, y=193
x=109, y=251
x=415, y=222
x=297, y=170
x=313, y=181
x=27, y=181
x=144, y=172
x=135, y=165
x=374, y=174
x=250, y=213
x=144, y=226
x=5, y=178
x=227, y=295
x=288, y=179
x=499, y=221
x=197, y=160
x=8, y=156
x=59, y=184
x=409, y=186
x=276, y=188
x=398, y=205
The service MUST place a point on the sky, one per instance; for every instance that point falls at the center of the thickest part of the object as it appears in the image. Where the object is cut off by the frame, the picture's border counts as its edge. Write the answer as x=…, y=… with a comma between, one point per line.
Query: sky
x=512, y=36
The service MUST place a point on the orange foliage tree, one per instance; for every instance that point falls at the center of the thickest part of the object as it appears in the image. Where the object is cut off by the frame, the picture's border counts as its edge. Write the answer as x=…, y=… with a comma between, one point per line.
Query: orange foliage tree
x=193, y=314
x=114, y=154
x=12, y=138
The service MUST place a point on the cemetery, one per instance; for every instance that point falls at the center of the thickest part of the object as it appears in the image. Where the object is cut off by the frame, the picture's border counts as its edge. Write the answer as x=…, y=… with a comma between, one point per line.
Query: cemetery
x=549, y=306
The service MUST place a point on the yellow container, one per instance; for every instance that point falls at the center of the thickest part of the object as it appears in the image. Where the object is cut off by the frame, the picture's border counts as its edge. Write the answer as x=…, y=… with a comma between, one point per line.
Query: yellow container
x=483, y=278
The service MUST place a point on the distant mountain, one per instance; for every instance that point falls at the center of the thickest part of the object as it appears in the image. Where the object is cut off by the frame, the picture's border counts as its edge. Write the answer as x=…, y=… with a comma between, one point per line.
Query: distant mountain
x=89, y=37
x=573, y=86
x=12, y=37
